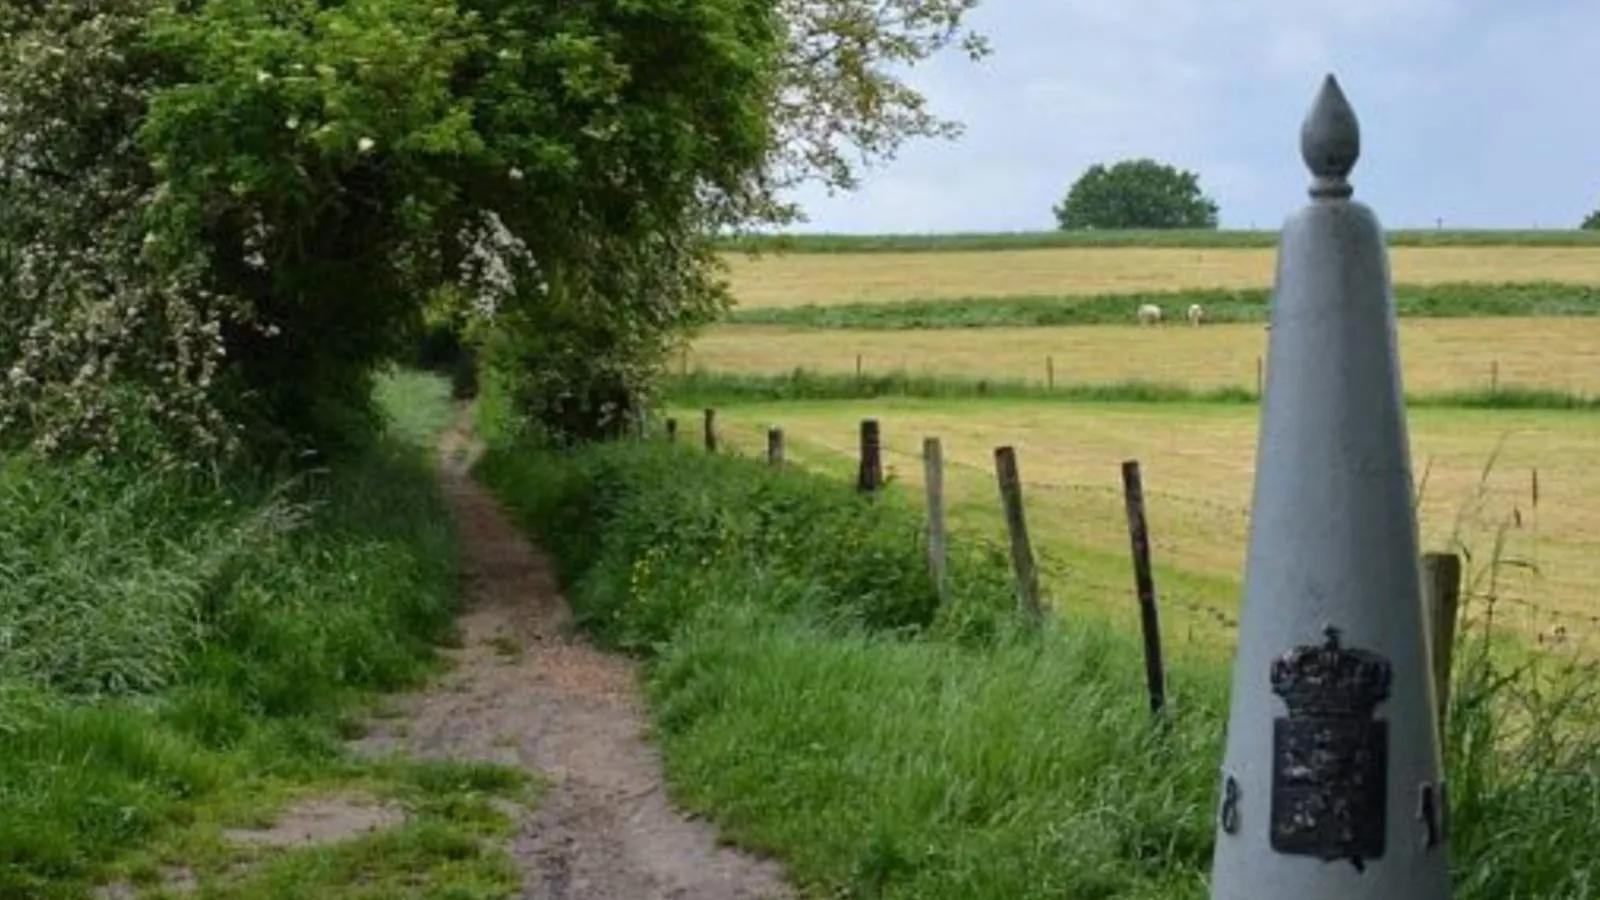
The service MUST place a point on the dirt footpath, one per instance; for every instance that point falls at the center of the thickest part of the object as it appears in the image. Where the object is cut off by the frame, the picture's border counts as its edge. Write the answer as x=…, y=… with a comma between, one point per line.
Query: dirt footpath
x=525, y=691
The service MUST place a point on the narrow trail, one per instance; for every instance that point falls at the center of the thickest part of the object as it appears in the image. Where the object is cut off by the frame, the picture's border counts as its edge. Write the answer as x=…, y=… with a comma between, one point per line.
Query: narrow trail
x=525, y=690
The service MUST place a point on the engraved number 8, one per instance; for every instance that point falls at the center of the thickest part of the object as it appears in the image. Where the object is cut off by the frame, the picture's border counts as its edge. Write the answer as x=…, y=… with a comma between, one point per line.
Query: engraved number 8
x=1230, y=805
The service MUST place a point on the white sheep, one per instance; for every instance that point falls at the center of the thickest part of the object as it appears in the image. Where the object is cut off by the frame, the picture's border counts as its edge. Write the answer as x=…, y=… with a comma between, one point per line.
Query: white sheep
x=1149, y=314
x=1197, y=314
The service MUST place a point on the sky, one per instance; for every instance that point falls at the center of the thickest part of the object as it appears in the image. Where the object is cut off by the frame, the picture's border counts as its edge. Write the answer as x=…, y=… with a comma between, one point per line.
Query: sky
x=1473, y=113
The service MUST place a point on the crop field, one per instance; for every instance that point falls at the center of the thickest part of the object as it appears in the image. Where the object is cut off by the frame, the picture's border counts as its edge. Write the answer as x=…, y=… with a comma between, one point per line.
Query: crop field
x=1437, y=354
x=1475, y=470
x=818, y=278
x=1179, y=238
x=1519, y=315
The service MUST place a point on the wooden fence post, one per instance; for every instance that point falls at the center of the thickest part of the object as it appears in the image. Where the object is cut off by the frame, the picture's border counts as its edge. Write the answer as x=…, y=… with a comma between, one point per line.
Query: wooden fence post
x=1144, y=582
x=711, y=431
x=1494, y=376
x=933, y=478
x=869, y=476
x=1260, y=377
x=672, y=430
x=775, y=446
x=1441, y=595
x=858, y=367
x=1050, y=373
x=1005, y=466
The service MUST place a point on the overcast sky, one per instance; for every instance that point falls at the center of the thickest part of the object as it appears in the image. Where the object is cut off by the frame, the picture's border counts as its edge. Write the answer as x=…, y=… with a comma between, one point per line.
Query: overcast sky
x=1482, y=113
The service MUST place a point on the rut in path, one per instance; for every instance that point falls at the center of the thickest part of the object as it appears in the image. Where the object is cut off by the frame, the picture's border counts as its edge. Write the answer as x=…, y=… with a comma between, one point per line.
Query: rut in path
x=526, y=691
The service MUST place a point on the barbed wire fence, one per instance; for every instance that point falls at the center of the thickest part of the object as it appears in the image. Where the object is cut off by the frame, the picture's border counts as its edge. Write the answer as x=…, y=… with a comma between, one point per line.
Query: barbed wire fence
x=1190, y=537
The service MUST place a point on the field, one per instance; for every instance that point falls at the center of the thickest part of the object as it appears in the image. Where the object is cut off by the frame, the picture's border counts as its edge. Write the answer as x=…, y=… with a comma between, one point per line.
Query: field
x=794, y=279
x=1497, y=326
x=1437, y=354
x=1197, y=462
x=1211, y=239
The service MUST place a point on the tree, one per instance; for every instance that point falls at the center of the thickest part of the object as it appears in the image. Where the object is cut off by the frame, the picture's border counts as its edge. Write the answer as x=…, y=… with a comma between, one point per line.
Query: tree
x=228, y=214
x=1591, y=222
x=1136, y=193
x=836, y=91
x=218, y=218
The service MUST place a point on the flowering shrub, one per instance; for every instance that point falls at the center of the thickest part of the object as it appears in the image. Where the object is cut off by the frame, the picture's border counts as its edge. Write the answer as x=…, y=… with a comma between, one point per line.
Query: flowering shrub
x=100, y=349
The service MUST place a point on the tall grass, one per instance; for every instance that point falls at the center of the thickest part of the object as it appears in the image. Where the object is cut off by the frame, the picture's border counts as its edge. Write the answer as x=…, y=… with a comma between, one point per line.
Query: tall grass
x=708, y=388
x=163, y=640
x=813, y=701
x=1464, y=300
x=1040, y=240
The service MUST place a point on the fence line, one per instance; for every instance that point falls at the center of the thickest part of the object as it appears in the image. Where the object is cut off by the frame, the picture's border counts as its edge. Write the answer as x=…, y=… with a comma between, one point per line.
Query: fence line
x=1551, y=626
x=1048, y=375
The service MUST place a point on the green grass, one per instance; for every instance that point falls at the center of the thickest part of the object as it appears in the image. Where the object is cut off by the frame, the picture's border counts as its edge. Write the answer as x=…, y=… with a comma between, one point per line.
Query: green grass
x=184, y=654
x=703, y=389
x=1030, y=240
x=814, y=700
x=417, y=403
x=445, y=846
x=1466, y=300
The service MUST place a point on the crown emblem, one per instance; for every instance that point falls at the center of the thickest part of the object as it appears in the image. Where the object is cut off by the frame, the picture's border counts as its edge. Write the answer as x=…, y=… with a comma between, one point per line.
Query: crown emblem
x=1328, y=680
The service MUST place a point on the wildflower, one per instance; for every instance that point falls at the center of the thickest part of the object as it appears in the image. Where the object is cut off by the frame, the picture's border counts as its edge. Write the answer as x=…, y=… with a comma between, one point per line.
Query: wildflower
x=365, y=144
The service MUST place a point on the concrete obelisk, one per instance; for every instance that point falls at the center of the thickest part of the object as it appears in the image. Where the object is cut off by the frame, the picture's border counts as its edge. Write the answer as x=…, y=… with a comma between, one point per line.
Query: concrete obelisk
x=1331, y=784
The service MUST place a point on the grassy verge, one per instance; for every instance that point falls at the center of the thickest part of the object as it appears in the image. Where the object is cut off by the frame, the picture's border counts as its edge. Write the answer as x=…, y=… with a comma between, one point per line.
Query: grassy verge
x=812, y=698
x=702, y=388
x=1030, y=240
x=1467, y=300
x=182, y=657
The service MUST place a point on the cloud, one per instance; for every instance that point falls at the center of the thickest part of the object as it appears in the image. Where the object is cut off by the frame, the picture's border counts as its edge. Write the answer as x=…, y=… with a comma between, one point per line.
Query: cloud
x=1466, y=107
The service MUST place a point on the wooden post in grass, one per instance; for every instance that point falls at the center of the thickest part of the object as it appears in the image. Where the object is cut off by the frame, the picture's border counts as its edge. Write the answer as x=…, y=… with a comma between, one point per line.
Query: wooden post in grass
x=933, y=478
x=672, y=430
x=858, y=367
x=1494, y=376
x=1260, y=380
x=775, y=446
x=1050, y=373
x=869, y=477
x=1144, y=583
x=711, y=430
x=1005, y=470
x=1441, y=596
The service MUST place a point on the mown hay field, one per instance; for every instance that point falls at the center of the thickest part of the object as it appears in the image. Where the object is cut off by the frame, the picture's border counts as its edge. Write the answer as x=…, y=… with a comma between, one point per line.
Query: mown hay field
x=798, y=279
x=1561, y=354
x=1475, y=469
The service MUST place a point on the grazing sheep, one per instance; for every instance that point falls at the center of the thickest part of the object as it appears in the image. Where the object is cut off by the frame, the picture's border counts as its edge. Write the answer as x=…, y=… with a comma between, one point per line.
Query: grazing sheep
x=1197, y=314
x=1149, y=314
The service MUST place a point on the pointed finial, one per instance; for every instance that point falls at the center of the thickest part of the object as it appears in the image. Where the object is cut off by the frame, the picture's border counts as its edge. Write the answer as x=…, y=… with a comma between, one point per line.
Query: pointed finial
x=1330, y=141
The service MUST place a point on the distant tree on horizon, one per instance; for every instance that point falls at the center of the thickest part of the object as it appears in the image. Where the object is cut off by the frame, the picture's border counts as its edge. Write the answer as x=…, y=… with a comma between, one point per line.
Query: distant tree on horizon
x=1591, y=222
x=1136, y=193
